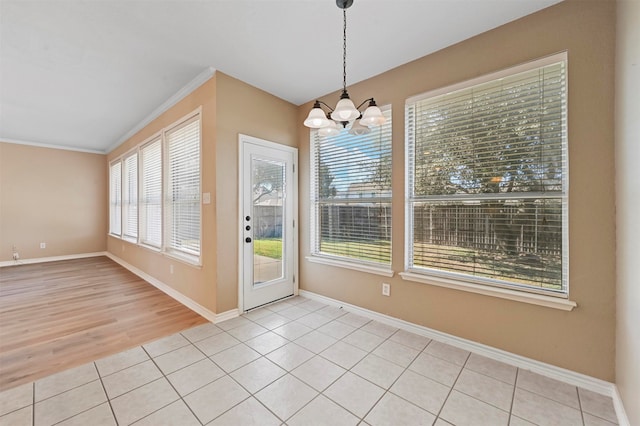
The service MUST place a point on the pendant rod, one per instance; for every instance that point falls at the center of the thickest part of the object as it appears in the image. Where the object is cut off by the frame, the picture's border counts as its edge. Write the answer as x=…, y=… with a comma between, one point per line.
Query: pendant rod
x=344, y=51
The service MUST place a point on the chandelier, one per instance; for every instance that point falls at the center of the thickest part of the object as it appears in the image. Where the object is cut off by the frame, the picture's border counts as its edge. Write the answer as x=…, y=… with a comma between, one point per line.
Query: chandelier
x=330, y=123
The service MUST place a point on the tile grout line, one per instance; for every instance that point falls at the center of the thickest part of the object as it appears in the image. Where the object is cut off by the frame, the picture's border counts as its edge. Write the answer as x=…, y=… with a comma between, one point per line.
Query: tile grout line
x=386, y=391
x=552, y=399
x=370, y=352
x=319, y=393
x=221, y=369
x=68, y=390
x=113, y=413
x=168, y=381
x=313, y=356
x=513, y=394
x=452, y=386
x=251, y=394
x=361, y=419
x=580, y=406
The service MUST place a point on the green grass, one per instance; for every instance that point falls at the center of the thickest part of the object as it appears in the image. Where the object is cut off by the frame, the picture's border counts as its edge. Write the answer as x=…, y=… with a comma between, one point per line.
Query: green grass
x=268, y=247
x=495, y=264
x=374, y=251
x=489, y=264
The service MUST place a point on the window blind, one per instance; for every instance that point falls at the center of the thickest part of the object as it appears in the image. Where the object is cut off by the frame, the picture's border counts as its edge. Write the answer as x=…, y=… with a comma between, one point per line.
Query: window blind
x=130, y=196
x=151, y=194
x=115, y=198
x=487, y=172
x=183, y=188
x=351, y=195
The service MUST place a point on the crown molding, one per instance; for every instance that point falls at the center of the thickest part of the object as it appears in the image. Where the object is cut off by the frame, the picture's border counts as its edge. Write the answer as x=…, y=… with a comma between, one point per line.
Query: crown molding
x=174, y=99
x=51, y=146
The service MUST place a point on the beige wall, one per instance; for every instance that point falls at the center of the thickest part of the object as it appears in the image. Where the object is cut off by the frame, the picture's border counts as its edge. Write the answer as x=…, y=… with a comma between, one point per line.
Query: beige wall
x=628, y=206
x=53, y=196
x=229, y=107
x=581, y=340
x=197, y=283
x=242, y=109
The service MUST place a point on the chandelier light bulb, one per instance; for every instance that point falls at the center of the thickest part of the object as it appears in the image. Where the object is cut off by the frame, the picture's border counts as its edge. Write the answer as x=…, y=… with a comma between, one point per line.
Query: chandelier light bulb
x=317, y=118
x=345, y=111
x=331, y=130
x=358, y=129
x=372, y=116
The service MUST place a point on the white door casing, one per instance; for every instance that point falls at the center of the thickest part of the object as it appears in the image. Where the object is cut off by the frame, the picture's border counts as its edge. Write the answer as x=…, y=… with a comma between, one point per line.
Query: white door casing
x=268, y=192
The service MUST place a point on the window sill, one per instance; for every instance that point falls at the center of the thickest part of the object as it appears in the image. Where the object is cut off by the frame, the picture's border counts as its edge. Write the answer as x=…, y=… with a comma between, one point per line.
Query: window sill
x=503, y=293
x=348, y=265
x=183, y=258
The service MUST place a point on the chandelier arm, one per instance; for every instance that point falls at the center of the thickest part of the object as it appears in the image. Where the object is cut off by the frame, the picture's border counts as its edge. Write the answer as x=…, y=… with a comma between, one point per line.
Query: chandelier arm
x=364, y=102
x=321, y=102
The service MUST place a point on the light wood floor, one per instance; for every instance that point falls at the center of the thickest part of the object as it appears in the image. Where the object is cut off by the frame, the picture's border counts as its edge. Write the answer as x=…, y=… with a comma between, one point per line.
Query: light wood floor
x=57, y=315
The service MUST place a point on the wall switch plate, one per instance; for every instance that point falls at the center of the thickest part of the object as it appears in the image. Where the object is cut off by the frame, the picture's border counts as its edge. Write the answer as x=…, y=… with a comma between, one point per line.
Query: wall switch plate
x=171, y=269
x=386, y=289
x=43, y=245
x=206, y=198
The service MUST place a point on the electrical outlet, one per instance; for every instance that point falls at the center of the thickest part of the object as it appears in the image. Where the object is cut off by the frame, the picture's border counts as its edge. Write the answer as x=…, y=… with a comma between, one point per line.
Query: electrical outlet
x=43, y=245
x=386, y=289
x=16, y=256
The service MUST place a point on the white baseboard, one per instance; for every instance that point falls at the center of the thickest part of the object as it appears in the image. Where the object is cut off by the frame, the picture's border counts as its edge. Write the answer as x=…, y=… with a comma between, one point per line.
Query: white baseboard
x=577, y=379
x=232, y=313
x=51, y=259
x=623, y=420
x=173, y=293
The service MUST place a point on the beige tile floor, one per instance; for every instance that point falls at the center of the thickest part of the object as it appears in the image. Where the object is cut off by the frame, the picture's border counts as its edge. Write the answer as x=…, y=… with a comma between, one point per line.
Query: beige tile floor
x=300, y=362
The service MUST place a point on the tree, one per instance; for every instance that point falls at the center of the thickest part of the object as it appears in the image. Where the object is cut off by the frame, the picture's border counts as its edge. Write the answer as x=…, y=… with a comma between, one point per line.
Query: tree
x=326, y=188
x=268, y=177
x=494, y=142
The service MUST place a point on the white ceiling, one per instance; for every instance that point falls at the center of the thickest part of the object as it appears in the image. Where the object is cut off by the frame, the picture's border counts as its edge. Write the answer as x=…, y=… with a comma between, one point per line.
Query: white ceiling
x=84, y=74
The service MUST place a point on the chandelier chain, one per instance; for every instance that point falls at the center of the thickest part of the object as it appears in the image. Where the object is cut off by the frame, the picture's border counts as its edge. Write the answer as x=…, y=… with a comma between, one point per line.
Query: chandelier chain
x=344, y=50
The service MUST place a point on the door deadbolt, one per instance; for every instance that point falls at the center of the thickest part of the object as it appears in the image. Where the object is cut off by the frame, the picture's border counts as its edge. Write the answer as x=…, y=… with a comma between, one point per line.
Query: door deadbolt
x=248, y=239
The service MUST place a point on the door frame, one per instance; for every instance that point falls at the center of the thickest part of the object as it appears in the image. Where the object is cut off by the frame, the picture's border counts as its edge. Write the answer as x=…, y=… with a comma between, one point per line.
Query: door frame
x=242, y=139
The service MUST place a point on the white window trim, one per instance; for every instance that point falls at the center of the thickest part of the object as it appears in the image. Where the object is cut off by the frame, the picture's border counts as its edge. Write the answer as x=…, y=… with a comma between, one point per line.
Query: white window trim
x=528, y=295
x=503, y=293
x=348, y=264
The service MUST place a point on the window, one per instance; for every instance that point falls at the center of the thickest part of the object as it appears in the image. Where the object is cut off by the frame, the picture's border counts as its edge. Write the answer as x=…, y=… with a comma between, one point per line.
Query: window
x=183, y=188
x=130, y=196
x=166, y=167
x=351, y=196
x=487, y=180
x=151, y=194
x=115, y=198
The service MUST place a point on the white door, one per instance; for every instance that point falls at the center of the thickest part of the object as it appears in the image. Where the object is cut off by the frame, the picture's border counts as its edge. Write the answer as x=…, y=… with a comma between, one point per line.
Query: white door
x=268, y=194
